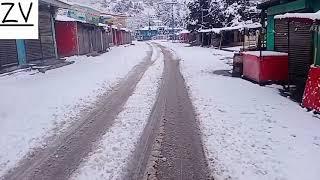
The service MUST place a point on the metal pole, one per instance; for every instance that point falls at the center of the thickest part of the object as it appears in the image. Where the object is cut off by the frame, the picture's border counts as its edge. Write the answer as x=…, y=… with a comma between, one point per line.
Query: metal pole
x=172, y=22
x=202, y=34
x=172, y=4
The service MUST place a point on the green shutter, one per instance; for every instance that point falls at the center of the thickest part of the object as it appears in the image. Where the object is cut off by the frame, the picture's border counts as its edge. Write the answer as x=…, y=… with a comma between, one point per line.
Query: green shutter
x=317, y=48
x=270, y=33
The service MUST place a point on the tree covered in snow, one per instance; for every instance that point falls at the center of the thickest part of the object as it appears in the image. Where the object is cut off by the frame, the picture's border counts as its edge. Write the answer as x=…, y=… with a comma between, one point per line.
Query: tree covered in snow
x=218, y=13
x=141, y=12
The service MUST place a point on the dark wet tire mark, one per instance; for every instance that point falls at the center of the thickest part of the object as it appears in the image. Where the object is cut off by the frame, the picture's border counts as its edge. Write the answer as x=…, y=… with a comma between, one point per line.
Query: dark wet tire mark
x=171, y=145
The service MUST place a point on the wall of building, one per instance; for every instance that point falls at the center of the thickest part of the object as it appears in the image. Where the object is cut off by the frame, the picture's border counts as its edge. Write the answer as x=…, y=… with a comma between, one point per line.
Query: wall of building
x=294, y=6
x=314, y=4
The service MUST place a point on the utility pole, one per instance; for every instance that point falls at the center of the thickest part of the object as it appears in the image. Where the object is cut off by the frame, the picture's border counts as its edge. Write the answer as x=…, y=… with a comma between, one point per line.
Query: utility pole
x=149, y=28
x=172, y=3
x=202, y=35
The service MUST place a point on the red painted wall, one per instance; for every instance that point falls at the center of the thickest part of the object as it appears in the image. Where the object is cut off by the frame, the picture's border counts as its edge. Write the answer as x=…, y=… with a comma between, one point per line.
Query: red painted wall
x=66, y=36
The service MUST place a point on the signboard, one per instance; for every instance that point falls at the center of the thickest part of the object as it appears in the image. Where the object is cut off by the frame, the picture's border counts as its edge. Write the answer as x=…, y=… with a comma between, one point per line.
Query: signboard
x=86, y=14
x=77, y=15
x=19, y=19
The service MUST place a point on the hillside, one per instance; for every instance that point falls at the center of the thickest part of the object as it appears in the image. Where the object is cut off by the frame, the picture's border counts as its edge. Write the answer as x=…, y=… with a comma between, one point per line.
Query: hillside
x=143, y=12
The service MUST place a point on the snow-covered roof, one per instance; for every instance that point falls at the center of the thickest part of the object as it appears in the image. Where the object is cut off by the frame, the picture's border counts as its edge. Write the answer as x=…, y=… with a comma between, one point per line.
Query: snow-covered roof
x=218, y=30
x=68, y=19
x=312, y=16
x=102, y=25
x=151, y=28
x=157, y=27
x=184, y=31
x=81, y=5
x=125, y=29
x=265, y=53
x=106, y=16
x=57, y=3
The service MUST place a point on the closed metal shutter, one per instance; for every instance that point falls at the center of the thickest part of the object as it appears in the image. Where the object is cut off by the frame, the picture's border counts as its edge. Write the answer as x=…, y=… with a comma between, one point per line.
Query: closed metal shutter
x=300, y=56
x=42, y=48
x=281, y=43
x=8, y=53
x=87, y=42
x=46, y=34
x=99, y=40
x=33, y=49
x=104, y=40
x=81, y=39
x=93, y=38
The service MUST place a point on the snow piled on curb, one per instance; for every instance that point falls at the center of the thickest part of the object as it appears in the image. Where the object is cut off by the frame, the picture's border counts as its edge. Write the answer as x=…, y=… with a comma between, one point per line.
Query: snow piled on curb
x=110, y=158
x=249, y=132
x=34, y=106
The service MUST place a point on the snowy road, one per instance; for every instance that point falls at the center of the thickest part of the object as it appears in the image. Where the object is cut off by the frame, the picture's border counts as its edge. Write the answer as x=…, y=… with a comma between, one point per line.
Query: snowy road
x=62, y=156
x=65, y=155
x=249, y=132
x=135, y=116
x=170, y=147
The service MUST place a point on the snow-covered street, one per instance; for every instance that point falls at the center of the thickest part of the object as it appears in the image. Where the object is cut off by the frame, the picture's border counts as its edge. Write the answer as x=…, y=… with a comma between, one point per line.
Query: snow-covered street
x=249, y=132
x=36, y=106
x=91, y=119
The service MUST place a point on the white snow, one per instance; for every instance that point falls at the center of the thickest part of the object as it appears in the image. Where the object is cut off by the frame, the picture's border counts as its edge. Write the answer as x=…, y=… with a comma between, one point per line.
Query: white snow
x=34, y=106
x=249, y=132
x=126, y=29
x=234, y=48
x=265, y=53
x=238, y=27
x=67, y=19
x=111, y=156
x=184, y=31
x=312, y=16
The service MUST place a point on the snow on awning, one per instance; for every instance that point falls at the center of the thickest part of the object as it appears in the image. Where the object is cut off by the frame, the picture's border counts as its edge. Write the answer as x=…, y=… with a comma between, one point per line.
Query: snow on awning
x=153, y=28
x=68, y=19
x=239, y=27
x=312, y=16
x=265, y=53
x=125, y=29
x=184, y=31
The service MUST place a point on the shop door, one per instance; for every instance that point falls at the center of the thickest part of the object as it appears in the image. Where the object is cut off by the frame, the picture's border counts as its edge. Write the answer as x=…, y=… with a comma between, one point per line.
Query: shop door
x=300, y=55
x=42, y=48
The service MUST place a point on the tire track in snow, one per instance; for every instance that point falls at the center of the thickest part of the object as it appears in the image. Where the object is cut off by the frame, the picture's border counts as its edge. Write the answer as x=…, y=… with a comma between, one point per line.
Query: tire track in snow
x=171, y=145
x=115, y=150
x=63, y=157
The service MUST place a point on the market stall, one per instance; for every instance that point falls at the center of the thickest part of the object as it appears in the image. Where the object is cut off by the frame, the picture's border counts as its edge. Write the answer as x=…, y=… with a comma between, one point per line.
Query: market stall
x=265, y=66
